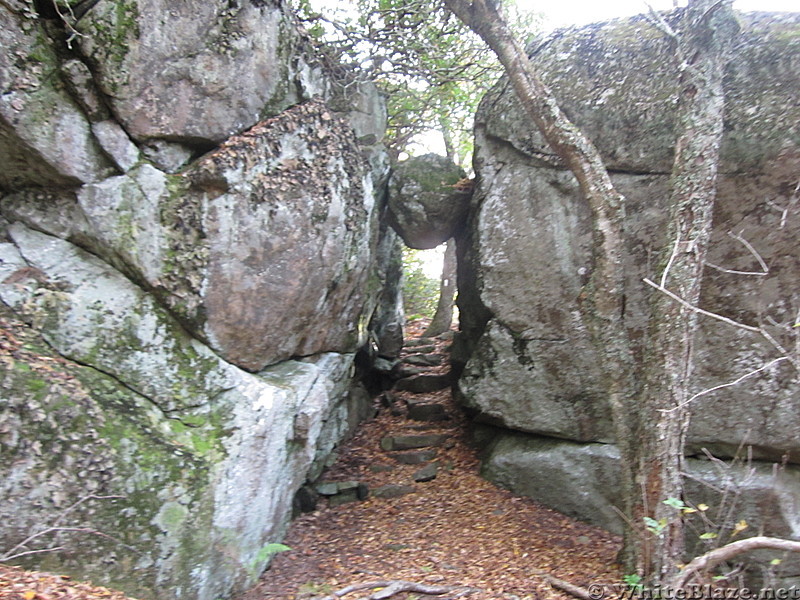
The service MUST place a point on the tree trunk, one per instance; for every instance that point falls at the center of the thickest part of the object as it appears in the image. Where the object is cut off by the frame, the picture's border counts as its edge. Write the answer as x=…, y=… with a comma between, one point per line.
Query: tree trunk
x=447, y=136
x=702, y=44
x=604, y=304
x=443, y=317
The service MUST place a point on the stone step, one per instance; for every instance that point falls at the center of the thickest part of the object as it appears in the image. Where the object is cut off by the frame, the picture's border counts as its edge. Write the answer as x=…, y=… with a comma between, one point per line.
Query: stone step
x=412, y=442
x=431, y=412
x=393, y=490
x=342, y=492
x=427, y=473
x=414, y=457
x=421, y=384
x=424, y=360
x=402, y=370
x=416, y=342
x=421, y=349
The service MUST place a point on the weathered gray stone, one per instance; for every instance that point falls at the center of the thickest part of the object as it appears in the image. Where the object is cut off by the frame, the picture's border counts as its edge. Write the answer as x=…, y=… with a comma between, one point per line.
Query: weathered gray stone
x=116, y=144
x=424, y=360
x=424, y=207
x=578, y=480
x=228, y=66
x=420, y=384
x=417, y=342
x=228, y=246
x=389, y=317
x=259, y=192
x=169, y=425
x=419, y=411
x=421, y=348
x=45, y=139
x=145, y=272
x=530, y=362
x=582, y=481
x=411, y=442
x=426, y=473
x=392, y=490
x=327, y=488
x=414, y=457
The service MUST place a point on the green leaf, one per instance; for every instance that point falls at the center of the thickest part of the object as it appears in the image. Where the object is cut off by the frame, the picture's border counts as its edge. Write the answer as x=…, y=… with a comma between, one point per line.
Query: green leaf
x=266, y=551
x=775, y=561
x=709, y=535
x=675, y=503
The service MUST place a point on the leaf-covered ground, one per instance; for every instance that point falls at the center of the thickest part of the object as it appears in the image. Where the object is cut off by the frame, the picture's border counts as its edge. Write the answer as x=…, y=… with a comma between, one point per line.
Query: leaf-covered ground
x=16, y=584
x=455, y=530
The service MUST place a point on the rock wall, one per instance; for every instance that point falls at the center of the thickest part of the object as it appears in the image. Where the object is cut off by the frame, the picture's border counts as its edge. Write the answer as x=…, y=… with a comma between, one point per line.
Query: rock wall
x=529, y=363
x=193, y=251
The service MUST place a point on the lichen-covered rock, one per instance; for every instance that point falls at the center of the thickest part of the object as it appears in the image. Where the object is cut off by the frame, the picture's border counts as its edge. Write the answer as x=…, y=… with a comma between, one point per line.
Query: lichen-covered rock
x=389, y=316
x=45, y=138
x=582, y=481
x=197, y=74
x=205, y=457
x=424, y=206
x=178, y=332
x=530, y=363
x=249, y=245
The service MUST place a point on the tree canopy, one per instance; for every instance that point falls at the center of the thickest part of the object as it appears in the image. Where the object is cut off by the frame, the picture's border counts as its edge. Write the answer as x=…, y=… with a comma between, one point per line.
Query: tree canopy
x=432, y=68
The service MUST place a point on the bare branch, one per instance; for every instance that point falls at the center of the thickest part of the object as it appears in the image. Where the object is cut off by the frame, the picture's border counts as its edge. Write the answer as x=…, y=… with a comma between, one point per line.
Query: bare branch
x=729, y=384
x=698, y=310
x=389, y=588
x=718, y=555
x=752, y=250
x=565, y=586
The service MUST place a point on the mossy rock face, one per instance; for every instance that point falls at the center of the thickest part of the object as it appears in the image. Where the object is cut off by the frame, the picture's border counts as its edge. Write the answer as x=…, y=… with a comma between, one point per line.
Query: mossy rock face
x=617, y=81
x=45, y=138
x=229, y=65
x=118, y=399
x=425, y=207
x=527, y=258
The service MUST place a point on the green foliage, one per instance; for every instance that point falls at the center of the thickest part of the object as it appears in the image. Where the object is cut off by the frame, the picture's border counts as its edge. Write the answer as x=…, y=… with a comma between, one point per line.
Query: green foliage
x=265, y=553
x=432, y=68
x=675, y=503
x=655, y=527
x=420, y=292
x=634, y=582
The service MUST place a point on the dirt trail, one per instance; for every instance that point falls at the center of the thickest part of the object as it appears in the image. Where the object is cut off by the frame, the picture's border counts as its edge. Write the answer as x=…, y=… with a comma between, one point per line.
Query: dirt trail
x=456, y=529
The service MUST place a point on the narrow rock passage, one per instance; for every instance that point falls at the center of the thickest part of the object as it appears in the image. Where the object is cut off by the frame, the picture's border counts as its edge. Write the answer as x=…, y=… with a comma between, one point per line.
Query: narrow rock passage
x=429, y=517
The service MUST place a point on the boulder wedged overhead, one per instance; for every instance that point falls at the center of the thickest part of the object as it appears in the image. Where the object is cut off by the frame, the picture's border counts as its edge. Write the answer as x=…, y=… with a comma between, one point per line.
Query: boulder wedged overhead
x=426, y=207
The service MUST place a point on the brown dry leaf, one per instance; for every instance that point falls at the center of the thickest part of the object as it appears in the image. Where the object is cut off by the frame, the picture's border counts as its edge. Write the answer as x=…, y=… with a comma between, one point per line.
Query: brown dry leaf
x=455, y=530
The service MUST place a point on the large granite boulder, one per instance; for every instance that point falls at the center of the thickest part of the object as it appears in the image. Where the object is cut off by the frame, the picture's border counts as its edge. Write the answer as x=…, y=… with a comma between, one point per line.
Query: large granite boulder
x=582, y=480
x=425, y=206
x=196, y=73
x=192, y=250
x=227, y=244
x=115, y=399
x=529, y=361
x=45, y=138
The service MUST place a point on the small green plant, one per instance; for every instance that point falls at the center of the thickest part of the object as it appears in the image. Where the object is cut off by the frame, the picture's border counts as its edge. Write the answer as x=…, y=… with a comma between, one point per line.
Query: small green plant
x=634, y=582
x=655, y=527
x=264, y=554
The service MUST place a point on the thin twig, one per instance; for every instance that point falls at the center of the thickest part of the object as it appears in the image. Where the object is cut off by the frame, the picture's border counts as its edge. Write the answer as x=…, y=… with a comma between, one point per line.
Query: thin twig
x=733, y=271
x=726, y=385
x=718, y=555
x=698, y=310
x=752, y=250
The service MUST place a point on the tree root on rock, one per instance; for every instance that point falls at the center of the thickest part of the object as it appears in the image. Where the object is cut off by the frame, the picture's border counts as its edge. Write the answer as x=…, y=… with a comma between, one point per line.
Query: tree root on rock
x=389, y=588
